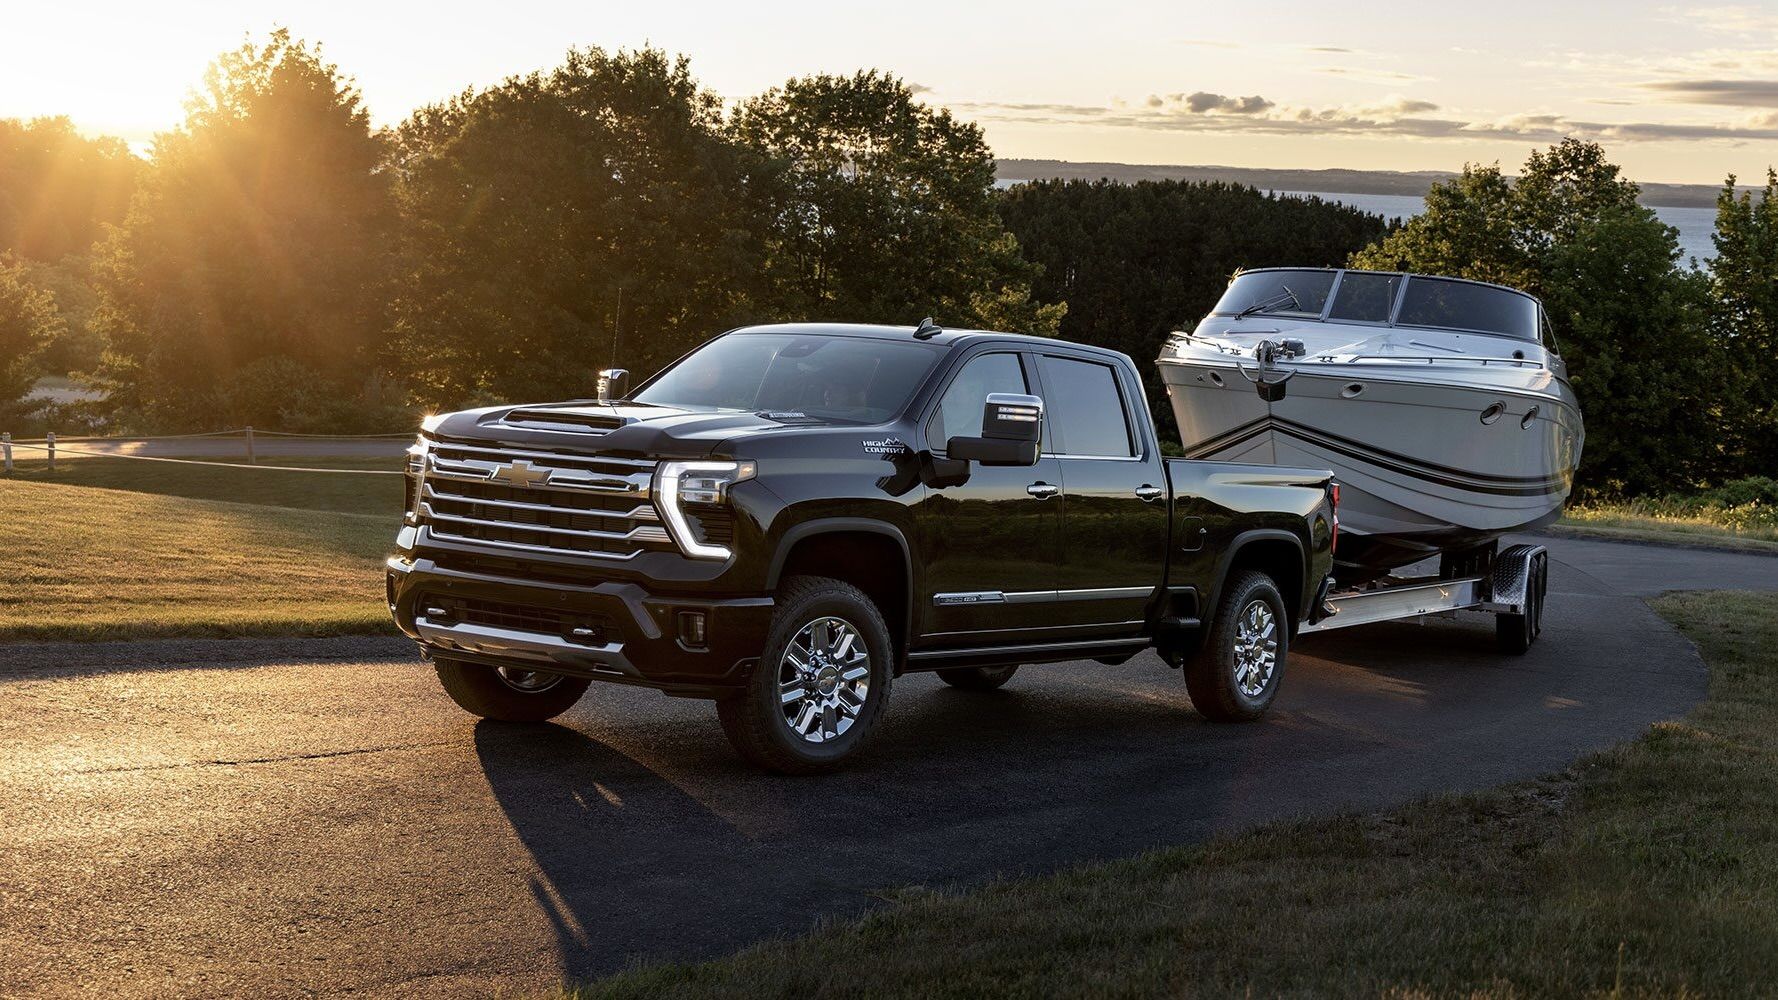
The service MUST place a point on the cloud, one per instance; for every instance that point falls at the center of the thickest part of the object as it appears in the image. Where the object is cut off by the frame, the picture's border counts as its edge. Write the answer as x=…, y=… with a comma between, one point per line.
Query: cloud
x=1393, y=116
x=1326, y=48
x=1204, y=102
x=1734, y=19
x=918, y=88
x=1727, y=93
x=1378, y=75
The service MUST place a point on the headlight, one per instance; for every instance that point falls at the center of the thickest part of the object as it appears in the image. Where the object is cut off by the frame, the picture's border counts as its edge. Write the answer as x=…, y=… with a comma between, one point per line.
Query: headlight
x=416, y=472
x=685, y=487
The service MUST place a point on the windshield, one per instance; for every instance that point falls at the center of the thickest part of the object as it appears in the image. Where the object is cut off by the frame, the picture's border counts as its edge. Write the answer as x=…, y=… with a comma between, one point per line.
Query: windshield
x=836, y=378
x=1460, y=305
x=1277, y=293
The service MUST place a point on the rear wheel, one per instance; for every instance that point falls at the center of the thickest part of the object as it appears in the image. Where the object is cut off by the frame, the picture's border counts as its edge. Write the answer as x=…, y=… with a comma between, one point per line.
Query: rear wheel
x=509, y=694
x=820, y=685
x=1235, y=675
x=977, y=678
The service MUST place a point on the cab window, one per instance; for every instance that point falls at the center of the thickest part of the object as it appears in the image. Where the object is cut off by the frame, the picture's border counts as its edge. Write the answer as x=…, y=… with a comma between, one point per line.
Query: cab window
x=1086, y=408
x=959, y=412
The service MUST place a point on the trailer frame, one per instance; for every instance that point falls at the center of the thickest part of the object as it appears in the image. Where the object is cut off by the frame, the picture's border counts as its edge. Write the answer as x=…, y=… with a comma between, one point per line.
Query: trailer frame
x=1512, y=590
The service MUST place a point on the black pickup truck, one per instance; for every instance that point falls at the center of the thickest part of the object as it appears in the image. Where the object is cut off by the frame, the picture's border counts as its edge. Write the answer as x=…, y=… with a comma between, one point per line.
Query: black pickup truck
x=790, y=517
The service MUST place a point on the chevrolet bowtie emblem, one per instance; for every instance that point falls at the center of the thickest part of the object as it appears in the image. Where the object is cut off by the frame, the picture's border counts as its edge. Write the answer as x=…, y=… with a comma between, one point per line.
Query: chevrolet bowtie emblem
x=520, y=473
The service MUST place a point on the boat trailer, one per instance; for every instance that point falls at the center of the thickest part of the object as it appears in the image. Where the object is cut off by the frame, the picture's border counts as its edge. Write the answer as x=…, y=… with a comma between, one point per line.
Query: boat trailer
x=1512, y=589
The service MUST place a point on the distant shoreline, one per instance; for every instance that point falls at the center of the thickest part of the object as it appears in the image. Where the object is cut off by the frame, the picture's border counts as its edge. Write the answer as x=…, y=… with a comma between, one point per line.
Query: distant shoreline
x=1414, y=183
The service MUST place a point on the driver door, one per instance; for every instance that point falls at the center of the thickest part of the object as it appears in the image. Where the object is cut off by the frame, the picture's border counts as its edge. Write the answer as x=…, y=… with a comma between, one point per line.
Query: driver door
x=992, y=545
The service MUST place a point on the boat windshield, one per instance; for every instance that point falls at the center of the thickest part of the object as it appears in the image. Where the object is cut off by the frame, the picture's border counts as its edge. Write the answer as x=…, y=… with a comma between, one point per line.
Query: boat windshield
x=854, y=379
x=1462, y=305
x=1277, y=293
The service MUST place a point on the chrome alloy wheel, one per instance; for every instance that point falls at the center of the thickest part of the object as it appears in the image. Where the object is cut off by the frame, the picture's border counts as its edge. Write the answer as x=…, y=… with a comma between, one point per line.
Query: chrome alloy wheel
x=1256, y=648
x=824, y=679
x=526, y=681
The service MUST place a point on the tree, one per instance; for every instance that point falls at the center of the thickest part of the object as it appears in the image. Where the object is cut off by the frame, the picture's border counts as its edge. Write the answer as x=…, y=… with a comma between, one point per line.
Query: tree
x=555, y=214
x=260, y=231
x=59, y=189
x=883, y=209
x=1744, y=317
x=28, y=321
x=1136, y=261
x=1630, y=324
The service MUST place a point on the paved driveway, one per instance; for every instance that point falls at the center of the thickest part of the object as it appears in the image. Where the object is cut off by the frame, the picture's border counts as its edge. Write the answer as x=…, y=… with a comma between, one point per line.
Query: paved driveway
x=314, y=816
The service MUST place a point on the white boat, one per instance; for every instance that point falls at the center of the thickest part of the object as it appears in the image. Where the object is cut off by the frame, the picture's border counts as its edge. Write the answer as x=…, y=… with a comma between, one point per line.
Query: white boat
x=1443, y=406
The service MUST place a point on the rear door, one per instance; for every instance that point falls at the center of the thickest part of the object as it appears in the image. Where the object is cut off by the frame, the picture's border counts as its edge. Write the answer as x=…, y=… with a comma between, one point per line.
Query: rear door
x=1114, y=491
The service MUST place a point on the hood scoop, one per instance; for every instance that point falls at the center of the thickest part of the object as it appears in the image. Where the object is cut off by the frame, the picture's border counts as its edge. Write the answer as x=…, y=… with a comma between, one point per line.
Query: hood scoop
x=565, y=419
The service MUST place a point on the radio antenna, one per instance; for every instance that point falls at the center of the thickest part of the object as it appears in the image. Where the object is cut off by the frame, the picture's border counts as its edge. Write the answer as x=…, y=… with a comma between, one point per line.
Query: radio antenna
x=617, y=326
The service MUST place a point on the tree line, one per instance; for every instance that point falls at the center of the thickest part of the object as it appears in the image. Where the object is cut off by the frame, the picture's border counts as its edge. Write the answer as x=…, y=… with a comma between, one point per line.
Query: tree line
x=279, y=261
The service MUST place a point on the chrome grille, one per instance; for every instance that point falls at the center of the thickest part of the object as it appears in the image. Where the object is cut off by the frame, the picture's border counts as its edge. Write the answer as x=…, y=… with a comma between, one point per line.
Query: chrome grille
x=541, y=501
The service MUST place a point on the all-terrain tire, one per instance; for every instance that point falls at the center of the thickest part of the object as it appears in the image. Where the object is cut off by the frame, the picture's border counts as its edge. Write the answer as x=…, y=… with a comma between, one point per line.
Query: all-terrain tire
x=755, y=719
x=977, y=678
x=1224, y=684
x=481, y=690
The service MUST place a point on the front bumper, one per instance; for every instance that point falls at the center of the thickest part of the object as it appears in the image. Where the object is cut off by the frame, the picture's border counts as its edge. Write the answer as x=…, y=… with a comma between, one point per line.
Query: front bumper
x=611, y=630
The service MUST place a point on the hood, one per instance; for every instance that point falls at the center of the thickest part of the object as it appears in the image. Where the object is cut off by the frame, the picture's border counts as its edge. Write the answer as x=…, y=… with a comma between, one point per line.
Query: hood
x=640, y=429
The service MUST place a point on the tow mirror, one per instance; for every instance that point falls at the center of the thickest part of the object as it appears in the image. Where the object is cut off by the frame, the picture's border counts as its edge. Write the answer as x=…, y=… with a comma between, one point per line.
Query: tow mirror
x=611, y=383
x=1012, y=429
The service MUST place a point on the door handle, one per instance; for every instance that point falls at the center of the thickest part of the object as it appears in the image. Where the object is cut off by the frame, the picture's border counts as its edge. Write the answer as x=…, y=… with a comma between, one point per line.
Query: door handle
x=1149, y=494
x=1043, y=491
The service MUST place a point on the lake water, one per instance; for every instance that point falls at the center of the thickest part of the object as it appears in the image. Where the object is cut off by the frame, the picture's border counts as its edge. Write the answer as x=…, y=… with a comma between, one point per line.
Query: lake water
x=1694, y=224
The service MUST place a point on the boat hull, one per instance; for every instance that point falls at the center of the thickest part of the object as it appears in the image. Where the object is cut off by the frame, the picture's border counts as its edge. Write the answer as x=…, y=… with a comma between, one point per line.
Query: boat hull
x=1426, y=465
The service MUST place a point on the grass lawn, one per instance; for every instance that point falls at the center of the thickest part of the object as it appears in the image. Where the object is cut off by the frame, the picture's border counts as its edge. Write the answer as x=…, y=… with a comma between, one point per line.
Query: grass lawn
x=1648, y=870
x=380, y=495
x=1635, y=520
x=83, y=563
x=1739, y=514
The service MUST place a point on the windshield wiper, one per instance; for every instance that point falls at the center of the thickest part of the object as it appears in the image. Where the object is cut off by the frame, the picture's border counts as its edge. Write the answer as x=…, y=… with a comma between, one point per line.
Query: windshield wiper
x=1276, y=302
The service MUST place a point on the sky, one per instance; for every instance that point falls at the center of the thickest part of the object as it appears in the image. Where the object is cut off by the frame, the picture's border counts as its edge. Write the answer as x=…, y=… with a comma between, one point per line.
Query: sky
x=1676, y=92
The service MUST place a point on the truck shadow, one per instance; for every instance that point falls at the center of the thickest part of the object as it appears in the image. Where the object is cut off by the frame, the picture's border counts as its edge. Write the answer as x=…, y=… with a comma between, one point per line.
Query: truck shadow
x=632, y=864
x=622, y=856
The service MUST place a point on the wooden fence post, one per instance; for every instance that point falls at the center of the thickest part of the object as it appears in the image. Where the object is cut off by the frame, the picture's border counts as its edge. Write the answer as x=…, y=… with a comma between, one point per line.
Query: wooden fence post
x=6, y=450
x=50, y=440
x=250, y=457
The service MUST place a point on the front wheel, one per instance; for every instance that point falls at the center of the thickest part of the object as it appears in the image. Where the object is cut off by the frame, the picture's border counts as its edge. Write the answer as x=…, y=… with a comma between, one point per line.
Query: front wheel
x=1236, y=674
x=508, y=694
x=821, y=684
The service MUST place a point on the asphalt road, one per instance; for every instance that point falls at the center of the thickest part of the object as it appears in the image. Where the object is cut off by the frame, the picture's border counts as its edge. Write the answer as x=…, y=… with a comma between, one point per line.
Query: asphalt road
x=300, y=817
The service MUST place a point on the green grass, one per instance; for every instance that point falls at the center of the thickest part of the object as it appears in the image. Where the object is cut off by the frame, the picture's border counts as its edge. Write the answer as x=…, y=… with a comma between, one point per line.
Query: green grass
x=82, y=563
x=1742, y=513
x=380, y=495
x=1757, y=527
x=1649, y=870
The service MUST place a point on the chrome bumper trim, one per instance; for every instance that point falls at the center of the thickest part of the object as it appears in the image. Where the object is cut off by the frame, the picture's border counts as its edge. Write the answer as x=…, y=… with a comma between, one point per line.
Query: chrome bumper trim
x=527, y=647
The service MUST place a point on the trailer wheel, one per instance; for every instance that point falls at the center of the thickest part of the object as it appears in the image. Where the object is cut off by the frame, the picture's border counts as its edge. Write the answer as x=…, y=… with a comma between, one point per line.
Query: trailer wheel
x=1516, y=633
x=1235, y=675
x=977, y=678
